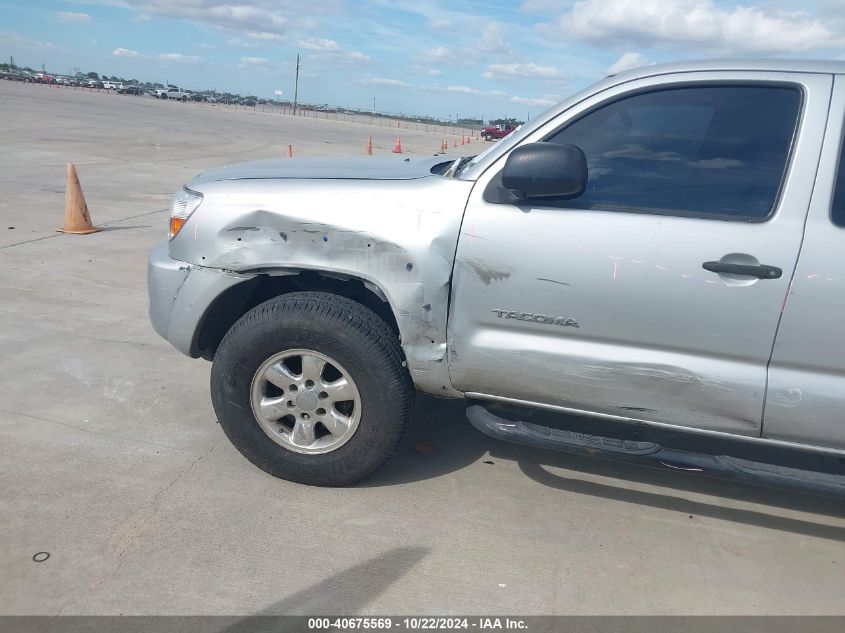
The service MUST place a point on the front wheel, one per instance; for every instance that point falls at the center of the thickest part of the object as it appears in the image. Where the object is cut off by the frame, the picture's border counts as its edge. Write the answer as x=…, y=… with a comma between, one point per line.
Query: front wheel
x=311, y=387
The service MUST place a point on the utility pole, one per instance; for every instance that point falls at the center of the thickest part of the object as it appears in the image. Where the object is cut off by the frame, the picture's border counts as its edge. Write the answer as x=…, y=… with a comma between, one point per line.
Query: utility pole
x=296, y=85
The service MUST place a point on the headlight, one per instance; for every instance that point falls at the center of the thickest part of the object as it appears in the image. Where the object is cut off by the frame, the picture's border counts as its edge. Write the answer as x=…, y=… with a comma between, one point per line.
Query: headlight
x=185, y=202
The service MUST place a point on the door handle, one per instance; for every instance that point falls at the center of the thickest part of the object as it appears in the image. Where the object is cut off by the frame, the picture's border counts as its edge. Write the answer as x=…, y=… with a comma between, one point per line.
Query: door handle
x=761, y=271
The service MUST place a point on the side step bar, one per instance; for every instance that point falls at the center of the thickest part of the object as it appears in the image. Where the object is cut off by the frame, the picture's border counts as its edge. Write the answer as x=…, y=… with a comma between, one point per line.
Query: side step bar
x=830, y=479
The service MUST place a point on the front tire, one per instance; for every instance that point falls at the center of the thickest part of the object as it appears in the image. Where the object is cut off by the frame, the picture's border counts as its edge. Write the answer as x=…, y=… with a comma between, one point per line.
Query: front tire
x=311, y=387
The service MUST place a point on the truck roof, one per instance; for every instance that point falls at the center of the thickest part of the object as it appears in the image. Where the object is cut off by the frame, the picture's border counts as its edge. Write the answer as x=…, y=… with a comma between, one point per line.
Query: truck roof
x=778, y=65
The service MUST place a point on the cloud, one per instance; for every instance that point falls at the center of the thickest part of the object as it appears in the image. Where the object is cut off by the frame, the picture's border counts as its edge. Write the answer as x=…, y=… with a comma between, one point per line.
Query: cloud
x=258, y=35
x=125, y=52
x=626, y=62
x=492, y=41
x=320, y=45
x=382, y=81
x=332, y=49
x=521, y=71
x=236, y=41
x=540, y=6
x=530, y=101
x=179, y=57
x=254, y=61
x=70, y=16
x=690, y=24
x=436, y=54
x=257, y=16
x=11, y=37
x=463, y=90
x=425, y=70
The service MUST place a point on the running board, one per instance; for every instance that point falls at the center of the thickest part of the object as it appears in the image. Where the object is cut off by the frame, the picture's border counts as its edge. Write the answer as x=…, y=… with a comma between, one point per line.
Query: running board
x=647, y=452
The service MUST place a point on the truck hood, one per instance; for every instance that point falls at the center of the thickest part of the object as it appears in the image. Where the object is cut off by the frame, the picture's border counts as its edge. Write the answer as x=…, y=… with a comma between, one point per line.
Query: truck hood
x=334, y=168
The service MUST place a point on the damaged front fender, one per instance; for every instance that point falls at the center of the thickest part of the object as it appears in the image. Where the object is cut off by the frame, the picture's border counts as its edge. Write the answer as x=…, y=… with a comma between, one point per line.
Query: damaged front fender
x=397, y=237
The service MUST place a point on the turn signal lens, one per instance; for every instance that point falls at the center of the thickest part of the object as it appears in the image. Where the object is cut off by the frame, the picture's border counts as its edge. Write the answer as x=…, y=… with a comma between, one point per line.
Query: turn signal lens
x=185, y=202
x=176, y=225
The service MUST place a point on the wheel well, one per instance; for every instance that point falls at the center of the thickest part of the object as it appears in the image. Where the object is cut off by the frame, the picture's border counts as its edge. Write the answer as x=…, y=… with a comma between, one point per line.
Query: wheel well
x=232, y=304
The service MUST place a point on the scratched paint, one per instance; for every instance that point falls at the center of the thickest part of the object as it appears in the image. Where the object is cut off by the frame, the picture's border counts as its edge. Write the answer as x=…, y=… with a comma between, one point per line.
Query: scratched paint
x=488, y=273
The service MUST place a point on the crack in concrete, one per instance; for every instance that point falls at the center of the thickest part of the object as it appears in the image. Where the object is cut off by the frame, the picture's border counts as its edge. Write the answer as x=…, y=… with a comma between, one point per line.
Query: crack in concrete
x=149, y=518
x=183, y=473
x=114, y=340
x=109, y=223
x=91, y=432
x=142, y=529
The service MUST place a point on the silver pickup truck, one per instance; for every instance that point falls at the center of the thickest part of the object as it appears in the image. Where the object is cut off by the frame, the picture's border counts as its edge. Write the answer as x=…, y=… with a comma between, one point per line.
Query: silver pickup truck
x=661, y=254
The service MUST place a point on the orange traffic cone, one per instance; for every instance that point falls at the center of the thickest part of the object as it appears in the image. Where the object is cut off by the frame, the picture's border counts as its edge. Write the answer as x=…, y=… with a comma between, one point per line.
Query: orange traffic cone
x=397, y=149
x=370, y=146
x=290, y=151
x=444, y=146
x=463, y=140
x=77, y=219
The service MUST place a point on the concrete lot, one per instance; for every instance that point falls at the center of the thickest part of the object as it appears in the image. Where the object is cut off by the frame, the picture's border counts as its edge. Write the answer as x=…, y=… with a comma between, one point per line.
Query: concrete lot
x=112, y=460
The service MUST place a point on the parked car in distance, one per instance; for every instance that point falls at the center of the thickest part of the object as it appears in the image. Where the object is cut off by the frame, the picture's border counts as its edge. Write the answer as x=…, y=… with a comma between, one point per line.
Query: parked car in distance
x=650, y=270
x=111, y=85
x=130, y=90
x=248, y=102
x=172, y=92
x=496, y=132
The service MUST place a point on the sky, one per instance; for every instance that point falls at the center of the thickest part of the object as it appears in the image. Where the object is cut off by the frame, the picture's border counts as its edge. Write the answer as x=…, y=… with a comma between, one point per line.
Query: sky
x=445, y=58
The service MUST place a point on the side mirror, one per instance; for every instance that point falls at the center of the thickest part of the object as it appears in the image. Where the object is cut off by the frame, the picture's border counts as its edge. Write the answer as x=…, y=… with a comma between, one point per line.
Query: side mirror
x=546, y=170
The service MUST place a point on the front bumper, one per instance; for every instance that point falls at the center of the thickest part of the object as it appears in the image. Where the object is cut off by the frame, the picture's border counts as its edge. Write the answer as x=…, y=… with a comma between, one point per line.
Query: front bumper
x=180, y=295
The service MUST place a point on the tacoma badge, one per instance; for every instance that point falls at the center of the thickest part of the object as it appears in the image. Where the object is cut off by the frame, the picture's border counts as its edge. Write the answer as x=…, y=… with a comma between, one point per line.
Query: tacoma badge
x=536, y=318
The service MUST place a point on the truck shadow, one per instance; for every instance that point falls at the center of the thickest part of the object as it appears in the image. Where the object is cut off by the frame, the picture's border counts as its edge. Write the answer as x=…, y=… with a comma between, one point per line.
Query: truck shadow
x=347, y=592
x=442, y=441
